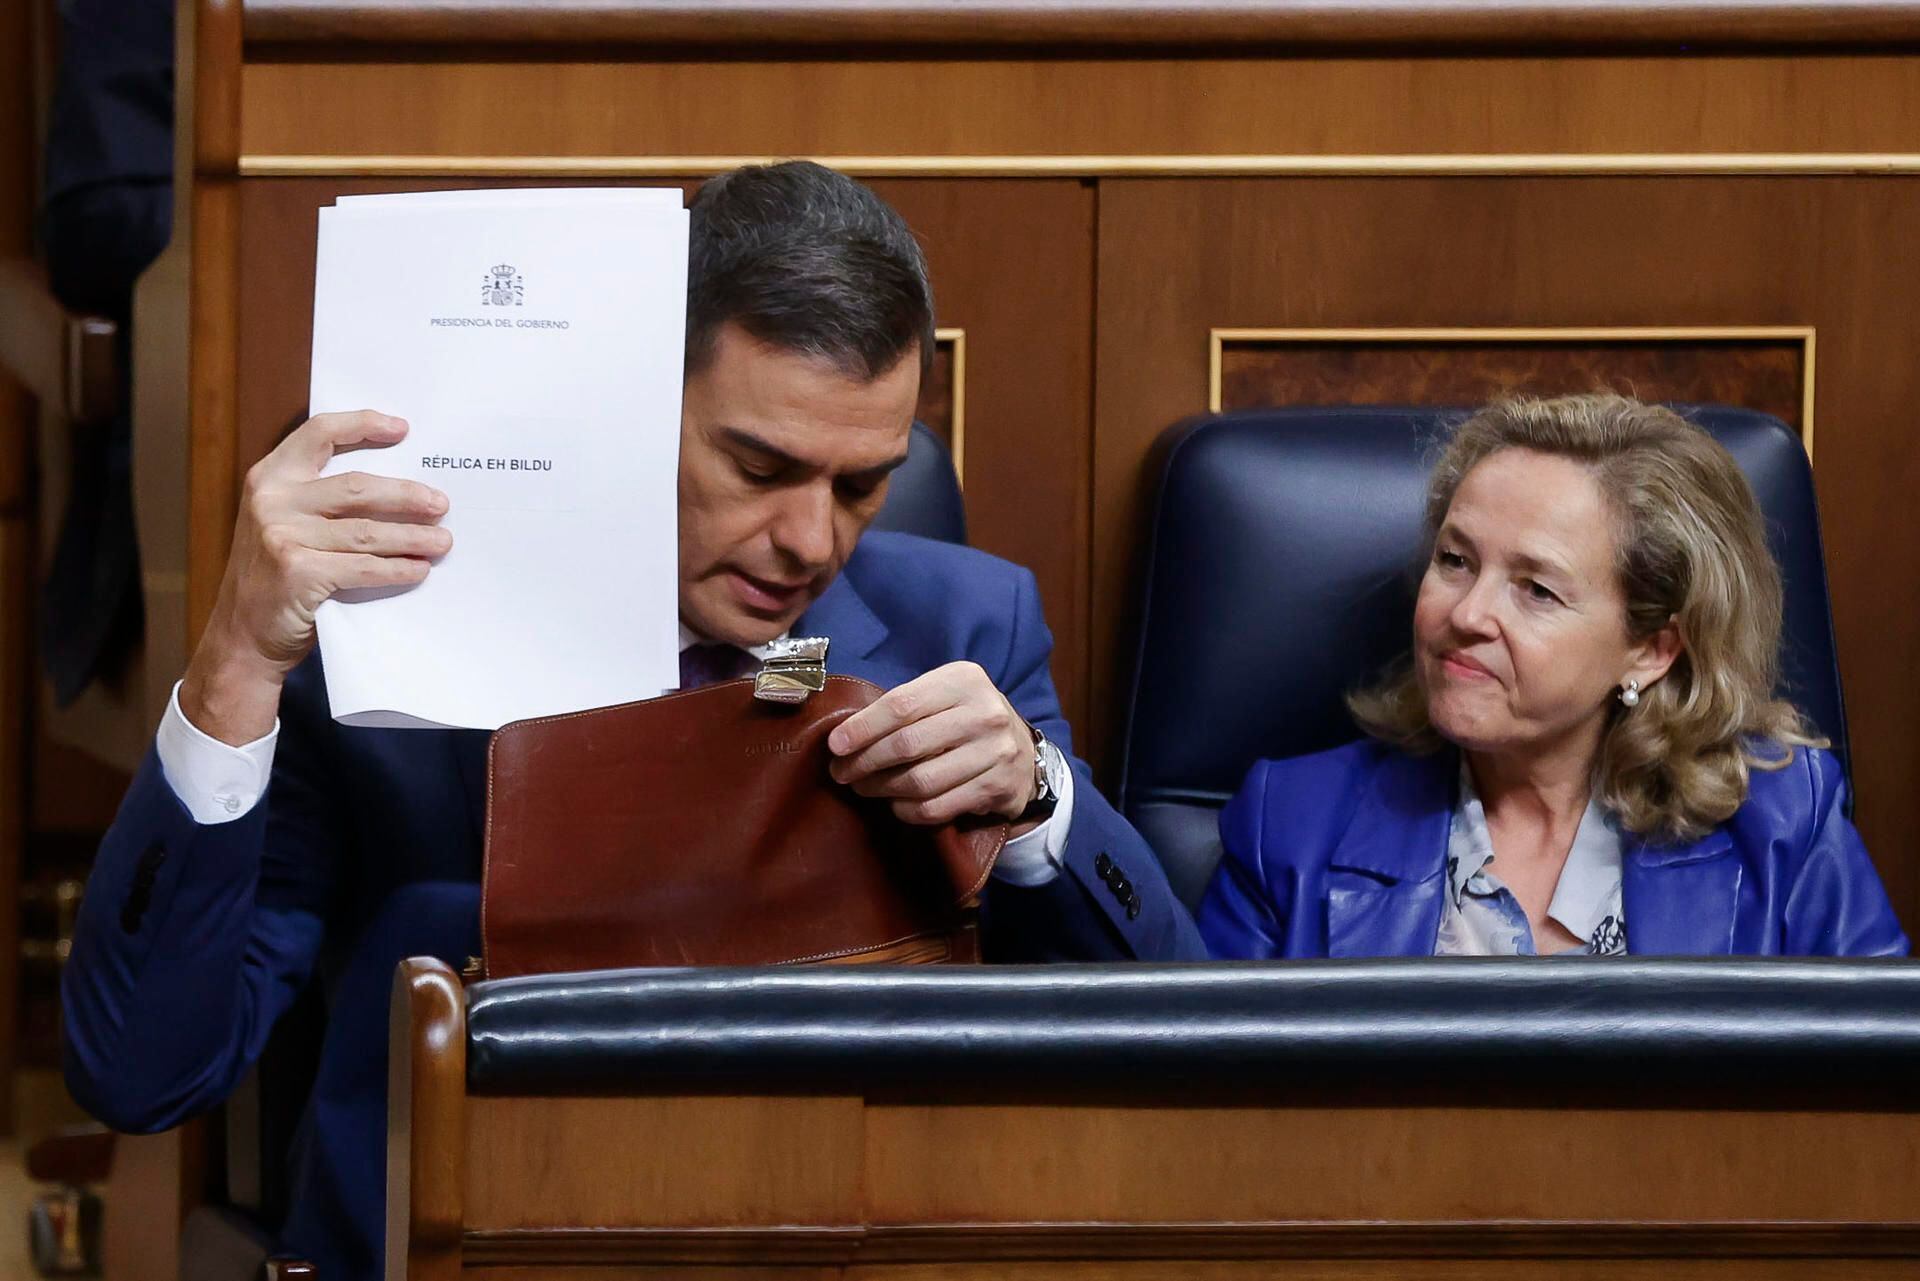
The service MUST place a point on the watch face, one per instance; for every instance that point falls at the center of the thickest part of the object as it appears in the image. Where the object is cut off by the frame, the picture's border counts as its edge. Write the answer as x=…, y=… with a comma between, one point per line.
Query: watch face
x=1045, y=798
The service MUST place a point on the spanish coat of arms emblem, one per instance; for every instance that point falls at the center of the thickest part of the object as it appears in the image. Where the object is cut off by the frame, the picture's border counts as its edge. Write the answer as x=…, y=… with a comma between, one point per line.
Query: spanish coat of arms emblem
x=502, y=288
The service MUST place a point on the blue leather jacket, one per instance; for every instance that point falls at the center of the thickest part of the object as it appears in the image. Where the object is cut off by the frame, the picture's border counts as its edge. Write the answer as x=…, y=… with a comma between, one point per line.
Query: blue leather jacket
x=1343, y=853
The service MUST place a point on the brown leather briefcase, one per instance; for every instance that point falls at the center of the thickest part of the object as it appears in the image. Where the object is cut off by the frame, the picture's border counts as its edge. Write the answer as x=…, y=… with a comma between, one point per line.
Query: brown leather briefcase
x=702, y=828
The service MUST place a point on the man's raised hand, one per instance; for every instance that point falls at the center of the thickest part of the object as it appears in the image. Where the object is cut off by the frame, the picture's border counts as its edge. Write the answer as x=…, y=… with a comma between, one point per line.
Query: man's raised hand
x=299, y=539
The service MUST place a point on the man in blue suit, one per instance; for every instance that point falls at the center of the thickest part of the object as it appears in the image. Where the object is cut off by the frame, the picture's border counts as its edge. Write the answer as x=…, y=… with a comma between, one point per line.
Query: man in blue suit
x=263, y=846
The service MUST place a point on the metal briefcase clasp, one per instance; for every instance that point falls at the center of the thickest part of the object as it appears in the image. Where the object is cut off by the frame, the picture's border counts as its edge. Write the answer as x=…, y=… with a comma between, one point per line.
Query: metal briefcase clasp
x=793, y=669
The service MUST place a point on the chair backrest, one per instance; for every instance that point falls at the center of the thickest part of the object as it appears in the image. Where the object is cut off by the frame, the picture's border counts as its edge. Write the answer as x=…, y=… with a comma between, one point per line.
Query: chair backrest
x=1280, y=574
x=924, y=495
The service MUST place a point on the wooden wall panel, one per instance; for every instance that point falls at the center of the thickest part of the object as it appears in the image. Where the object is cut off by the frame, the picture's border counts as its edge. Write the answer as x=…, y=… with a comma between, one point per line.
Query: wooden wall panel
x=1148, y=106
x=746, y=1161
x=1179, y=258
x=1029, y=349
x=1012, y=264
x=1399, y=1164
x=18, y=569
x=1767, y=374
x=1035, y=1185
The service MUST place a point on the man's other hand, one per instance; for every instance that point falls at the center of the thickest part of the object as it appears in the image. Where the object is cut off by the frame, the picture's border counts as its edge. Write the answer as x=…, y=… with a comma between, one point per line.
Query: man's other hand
x=939, y=747
x=299, y=539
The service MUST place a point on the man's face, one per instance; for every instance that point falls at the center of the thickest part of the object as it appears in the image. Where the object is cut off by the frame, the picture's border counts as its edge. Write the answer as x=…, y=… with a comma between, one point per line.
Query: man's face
x=784, y=461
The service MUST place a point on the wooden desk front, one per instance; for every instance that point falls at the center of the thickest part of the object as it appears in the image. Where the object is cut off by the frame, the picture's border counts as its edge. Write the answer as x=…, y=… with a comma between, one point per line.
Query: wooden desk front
x=1493, y=1174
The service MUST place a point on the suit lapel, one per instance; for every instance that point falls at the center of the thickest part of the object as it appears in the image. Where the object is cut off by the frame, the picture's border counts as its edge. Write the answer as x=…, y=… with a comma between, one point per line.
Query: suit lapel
x=1681, y=900
x=857, y=633
x=1387, y=875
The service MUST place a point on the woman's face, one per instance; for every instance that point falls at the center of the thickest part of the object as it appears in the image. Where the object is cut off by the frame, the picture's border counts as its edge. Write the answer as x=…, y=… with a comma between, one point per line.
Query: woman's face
x=1520, y=634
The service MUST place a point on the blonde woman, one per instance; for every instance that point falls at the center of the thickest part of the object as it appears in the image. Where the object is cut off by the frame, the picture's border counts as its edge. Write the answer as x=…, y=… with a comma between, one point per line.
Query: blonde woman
x=1583, y=752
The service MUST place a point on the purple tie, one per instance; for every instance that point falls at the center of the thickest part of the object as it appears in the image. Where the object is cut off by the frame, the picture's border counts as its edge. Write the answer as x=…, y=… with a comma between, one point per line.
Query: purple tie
x=702, y=665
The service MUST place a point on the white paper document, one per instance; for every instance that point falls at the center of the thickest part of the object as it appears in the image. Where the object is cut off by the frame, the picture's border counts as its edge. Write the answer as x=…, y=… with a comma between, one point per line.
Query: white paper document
x=533, y=340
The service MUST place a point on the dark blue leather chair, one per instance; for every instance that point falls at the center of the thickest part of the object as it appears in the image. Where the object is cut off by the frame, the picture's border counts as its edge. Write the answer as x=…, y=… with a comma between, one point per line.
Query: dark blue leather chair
x=924, y=497
x=1280, y=573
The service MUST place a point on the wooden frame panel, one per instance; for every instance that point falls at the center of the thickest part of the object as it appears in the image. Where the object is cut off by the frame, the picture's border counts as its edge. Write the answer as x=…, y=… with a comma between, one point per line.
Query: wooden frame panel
x=1218, y=340
x=1108, y=166
x=1756, y=106
x=951, y=343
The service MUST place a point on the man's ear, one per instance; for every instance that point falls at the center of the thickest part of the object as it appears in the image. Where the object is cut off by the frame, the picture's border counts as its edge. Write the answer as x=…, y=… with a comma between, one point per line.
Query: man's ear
x=1653, y=657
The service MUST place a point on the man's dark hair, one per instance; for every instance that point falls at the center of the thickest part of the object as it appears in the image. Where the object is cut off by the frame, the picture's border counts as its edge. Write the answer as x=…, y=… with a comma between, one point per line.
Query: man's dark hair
x=811, y=261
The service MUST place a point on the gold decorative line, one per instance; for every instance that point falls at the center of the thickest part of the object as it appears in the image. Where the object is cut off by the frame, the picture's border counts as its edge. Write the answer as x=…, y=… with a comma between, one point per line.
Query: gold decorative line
x=1520, y=333
x=1218, y=338
x=957, y=446
x=260, y=165
x=1806, y=396
x=1217, y=341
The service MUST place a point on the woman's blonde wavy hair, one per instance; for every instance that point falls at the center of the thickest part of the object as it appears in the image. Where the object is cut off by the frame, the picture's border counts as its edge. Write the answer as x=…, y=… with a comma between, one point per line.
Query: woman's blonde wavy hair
x=1690, y=547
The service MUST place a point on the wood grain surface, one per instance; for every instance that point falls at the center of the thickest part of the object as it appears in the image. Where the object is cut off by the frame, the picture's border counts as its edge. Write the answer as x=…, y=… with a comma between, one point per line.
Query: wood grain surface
x=1107, y=24
x=210, y=111
x=1759, y=373
x=427, y=1159
x=691, y=1162
x=1037, y=1184
x=1311, y=1162
x=1237, y=106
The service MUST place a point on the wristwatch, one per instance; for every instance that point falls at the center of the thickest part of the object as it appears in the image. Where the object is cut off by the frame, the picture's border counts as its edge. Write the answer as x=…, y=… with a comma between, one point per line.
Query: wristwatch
x=1046, y=798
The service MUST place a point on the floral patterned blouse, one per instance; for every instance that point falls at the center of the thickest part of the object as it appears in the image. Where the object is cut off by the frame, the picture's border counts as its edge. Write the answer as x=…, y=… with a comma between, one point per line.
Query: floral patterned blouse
x=1483, y=918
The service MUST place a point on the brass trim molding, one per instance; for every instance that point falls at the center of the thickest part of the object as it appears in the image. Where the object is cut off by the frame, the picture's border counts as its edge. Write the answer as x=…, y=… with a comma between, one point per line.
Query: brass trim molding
x=1219, y=337
x=957, y=446
x=1068, y=166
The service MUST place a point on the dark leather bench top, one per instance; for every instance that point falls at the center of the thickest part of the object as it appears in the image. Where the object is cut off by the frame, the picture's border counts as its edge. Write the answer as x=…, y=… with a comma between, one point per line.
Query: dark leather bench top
x=1711, y=1020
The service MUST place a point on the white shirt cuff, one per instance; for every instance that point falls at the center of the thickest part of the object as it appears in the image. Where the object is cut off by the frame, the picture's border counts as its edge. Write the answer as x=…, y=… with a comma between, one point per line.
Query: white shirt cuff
x=1036, y=858
x=216, y=781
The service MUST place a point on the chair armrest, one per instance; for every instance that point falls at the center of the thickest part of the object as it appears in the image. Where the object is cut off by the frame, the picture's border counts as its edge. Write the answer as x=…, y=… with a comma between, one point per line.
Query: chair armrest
x=73, y=1157
x=68, y=361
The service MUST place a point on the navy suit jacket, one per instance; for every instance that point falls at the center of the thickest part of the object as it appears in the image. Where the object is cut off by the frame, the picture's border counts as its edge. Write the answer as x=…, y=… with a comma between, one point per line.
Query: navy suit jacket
x=366, y=849
x=108, y=211
x=1343, y=853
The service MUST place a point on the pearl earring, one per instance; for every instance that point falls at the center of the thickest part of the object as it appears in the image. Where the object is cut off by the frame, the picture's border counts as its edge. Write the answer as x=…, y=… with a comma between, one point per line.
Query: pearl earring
x=1630, y=693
